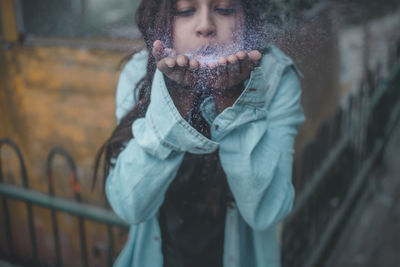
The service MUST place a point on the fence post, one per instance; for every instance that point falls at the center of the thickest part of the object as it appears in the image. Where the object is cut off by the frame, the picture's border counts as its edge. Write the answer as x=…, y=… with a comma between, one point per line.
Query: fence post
x=10, y=143
x=77, y=195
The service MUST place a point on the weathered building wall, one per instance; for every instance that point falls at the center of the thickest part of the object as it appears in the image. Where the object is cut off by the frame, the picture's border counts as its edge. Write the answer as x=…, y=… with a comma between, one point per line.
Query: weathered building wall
x=57, y=96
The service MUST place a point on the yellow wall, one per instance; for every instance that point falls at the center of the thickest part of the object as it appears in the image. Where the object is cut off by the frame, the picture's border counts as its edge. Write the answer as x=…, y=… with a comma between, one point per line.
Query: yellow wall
x=58, y=96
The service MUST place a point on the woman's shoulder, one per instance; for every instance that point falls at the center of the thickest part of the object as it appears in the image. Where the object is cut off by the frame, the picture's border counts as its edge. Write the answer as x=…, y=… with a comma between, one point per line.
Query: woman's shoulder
x=277, y=77
x=132, y=72
x=138, y=59
x=135, y=67
x=274, y=56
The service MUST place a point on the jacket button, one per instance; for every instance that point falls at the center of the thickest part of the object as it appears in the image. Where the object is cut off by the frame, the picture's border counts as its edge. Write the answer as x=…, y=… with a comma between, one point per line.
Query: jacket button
x=252, y=89
x=155, y=238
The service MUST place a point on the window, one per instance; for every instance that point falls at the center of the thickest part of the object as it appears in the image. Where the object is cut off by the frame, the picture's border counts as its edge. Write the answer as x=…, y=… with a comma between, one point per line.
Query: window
x=79, y=18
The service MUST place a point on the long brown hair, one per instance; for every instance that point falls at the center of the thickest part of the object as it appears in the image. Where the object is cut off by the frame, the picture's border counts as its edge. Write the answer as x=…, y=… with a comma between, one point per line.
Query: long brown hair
x=155, y=21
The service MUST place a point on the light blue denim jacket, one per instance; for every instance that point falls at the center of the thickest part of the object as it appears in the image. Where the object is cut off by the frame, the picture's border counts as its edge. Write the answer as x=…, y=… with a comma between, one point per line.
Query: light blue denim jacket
x=255, y=139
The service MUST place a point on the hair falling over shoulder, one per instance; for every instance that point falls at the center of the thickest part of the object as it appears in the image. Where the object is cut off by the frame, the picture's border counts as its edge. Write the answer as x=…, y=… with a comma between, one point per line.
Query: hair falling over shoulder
x=151, y=30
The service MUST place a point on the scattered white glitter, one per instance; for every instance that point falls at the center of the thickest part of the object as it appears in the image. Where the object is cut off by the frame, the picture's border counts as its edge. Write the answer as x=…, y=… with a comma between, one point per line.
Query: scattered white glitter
x=206, y=59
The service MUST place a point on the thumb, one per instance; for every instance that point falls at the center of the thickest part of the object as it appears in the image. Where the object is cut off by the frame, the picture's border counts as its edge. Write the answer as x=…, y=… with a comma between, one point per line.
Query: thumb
x=158, y=50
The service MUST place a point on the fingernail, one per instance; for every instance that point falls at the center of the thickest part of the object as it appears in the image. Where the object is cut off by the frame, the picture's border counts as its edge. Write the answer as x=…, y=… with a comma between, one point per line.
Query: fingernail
x=211, y=65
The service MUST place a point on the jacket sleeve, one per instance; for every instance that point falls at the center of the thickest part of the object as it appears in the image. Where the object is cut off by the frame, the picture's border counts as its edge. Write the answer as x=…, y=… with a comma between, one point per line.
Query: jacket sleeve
x=136, y=186
x=132, y=72
x=257, y=158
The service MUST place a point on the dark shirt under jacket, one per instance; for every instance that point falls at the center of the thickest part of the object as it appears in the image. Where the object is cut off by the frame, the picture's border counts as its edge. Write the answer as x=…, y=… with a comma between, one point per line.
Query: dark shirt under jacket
x=192, y=217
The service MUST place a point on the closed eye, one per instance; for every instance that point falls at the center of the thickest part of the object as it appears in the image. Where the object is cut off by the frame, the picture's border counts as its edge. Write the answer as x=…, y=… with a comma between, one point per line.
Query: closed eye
x=184, y=12
x=225, y=11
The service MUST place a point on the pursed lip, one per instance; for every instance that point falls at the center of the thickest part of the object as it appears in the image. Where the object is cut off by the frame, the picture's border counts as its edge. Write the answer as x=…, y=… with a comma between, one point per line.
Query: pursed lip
x=206, y=50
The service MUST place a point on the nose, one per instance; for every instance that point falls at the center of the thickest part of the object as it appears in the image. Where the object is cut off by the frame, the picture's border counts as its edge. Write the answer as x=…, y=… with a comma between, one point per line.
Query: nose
x=206, y=25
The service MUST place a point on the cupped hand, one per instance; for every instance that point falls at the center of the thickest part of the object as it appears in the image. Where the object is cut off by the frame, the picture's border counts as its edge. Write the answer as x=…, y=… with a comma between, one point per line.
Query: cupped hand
x=176, y=67
x=234, y=69
x=225, y=73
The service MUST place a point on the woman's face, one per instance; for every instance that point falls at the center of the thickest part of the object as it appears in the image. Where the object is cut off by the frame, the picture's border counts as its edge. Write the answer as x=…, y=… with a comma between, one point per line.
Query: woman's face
x=200, y=24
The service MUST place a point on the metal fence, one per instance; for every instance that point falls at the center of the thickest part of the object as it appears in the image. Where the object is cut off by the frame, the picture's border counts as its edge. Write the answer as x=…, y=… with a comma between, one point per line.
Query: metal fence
x=55, y=205
x=332, y=172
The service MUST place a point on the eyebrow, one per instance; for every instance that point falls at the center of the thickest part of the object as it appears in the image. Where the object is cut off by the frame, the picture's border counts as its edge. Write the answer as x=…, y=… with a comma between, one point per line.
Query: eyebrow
x=191, y=1
x=184, y=1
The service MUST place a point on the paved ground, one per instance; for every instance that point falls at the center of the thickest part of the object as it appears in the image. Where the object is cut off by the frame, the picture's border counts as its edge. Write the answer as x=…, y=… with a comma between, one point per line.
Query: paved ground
x=372, y=238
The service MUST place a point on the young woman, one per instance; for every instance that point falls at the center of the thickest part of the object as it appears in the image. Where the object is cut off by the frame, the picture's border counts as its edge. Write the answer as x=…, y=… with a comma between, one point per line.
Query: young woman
x=200, y=162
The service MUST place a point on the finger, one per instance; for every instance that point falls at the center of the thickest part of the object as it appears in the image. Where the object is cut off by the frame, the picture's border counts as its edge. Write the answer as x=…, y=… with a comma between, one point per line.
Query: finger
x=158, y=50
x=166, y=65
x=194, y=64
x=222, y=74
x=170, y=62
x=222, y=61
x=241, y=55
x=233, y=67
x=245, y=63
x=170, y=68
x=187, y=78
x=255, y=56
x=203, y=65
x=212, y=65
x=182, y=61
x=182, y=74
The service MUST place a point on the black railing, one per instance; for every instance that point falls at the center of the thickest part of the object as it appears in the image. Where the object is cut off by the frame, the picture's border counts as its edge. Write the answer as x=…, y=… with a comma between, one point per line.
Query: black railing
x=25, y=184
x=77, y=194
x=331, y=174
x=56, y=205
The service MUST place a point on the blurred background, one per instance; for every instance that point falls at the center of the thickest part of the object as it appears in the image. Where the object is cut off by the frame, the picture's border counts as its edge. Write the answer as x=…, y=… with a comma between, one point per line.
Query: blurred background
x=59, y=65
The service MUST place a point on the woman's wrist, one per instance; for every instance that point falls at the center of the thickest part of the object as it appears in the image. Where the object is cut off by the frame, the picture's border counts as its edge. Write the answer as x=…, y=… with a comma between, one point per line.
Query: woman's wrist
x=181, y=95
x=225, y=98
x=232, y=91
x=173, y=85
